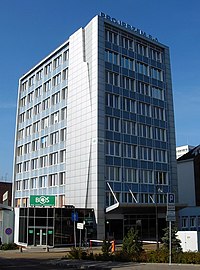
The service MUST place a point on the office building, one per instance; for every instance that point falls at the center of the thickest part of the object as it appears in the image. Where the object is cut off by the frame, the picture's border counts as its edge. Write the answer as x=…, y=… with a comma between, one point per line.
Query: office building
x=95, y=135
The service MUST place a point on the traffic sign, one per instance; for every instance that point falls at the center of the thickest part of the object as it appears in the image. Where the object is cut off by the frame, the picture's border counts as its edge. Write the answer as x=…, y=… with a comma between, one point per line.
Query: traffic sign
x=171, y=198
x=74, y=216
x=170, y=218
x=171, y=207
x=80, y=226
x=171, y=213
x=8, y=231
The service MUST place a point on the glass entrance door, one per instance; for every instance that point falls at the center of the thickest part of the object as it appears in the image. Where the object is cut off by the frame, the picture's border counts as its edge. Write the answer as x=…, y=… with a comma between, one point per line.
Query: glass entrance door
x=40, y=237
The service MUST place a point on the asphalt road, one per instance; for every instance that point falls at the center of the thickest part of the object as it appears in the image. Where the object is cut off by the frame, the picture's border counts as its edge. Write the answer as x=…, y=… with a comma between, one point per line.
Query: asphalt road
x=29, y=260
x=41, y=264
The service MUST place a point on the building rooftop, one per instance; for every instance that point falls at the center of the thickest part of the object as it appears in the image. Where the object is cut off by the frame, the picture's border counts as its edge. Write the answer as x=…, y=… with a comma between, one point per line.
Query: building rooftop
x=191, y=154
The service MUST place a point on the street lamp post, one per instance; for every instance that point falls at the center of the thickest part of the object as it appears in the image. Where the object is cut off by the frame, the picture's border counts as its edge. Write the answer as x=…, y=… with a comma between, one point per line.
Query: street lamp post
x=157, y=242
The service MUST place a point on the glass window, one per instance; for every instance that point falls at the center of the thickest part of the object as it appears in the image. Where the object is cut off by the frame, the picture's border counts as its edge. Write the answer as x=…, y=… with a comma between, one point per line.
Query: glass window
x=33, y=183
x=44, y=141
x=130, y=151
x=44, y=161
x=53, y=179
x=113, y=173
x=113, y=123
x=48, y=68
x=39, y=75
x=130, y=175
x=111, y=37
x=112, y=78
x=66, y=55
x=113, y=148
x=54, y=138
x=63, y=134
x=53, y=158
x=62, y=156
x=143, y=88
x=57, y=61
x=128, y=83
x=55, y=118
x=43, y=181
x=113, y=100
x=142, y=49
x=45, y=122
x=55, y=98
x=192, y=222
x=143, y=69
x=160, y=178
x=47, y=86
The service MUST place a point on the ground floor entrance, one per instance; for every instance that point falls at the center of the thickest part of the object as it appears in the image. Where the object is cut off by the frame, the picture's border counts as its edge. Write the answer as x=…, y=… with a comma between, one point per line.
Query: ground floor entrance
x=148, y=221
x=40, y=236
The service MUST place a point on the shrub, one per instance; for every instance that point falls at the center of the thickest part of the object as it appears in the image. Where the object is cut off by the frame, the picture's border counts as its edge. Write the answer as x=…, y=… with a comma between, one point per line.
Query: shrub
x=157, y=256
x=77, y=253
x=121, y=256
x=189, y=257
x=10, y=246
x=106, y=247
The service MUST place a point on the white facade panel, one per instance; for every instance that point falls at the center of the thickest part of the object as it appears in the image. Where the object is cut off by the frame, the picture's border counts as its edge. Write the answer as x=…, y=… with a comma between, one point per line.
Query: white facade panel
x=189, y=240
x=186, y=183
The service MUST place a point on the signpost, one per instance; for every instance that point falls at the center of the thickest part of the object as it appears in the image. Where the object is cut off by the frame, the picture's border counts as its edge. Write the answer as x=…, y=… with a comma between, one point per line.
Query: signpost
x=74, y=218
x=80, y=226
x=170, y=216
x=42, y=200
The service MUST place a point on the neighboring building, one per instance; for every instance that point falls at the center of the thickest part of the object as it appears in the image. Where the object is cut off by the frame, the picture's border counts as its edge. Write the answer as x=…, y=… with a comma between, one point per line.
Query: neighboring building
x=6, y=213
x=95, y=129
x=5, y=193
x=189, y=228
x=182, y=150
x=188, y=167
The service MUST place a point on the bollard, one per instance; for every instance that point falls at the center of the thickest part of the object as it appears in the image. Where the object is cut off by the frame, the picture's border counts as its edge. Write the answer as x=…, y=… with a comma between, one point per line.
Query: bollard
x=47, y=249
x=20, y=249
x=113, y=246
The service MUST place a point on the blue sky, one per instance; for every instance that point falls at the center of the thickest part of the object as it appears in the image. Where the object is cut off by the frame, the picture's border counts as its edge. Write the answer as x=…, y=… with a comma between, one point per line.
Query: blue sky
x=31, y=29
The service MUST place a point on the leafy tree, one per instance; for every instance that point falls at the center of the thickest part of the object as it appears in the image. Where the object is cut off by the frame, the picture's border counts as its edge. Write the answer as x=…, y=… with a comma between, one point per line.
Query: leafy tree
x=176, y=243
x=131, y=243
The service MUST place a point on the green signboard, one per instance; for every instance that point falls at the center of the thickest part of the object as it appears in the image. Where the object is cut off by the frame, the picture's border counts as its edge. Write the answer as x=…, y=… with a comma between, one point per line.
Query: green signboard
x=42, y=200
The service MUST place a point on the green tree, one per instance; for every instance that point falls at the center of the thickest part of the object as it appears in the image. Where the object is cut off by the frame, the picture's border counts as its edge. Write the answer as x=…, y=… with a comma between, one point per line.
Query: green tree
x=176, y=243
x=132, y=245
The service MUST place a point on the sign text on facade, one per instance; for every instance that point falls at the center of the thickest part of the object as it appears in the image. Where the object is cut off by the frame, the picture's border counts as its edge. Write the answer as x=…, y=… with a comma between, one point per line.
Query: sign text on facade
x=128, y=26
x=43, y=200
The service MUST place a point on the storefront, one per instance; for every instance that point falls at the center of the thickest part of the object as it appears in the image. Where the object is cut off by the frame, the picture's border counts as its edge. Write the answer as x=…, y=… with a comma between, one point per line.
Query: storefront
x=50, y=226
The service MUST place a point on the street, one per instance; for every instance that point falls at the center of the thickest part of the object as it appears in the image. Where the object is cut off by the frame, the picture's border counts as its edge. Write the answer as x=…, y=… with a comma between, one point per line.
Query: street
x=55, y=259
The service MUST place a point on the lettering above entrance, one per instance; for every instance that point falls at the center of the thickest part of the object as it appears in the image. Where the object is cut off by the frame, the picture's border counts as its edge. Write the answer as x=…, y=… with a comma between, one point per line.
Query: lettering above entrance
x=42, y=200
